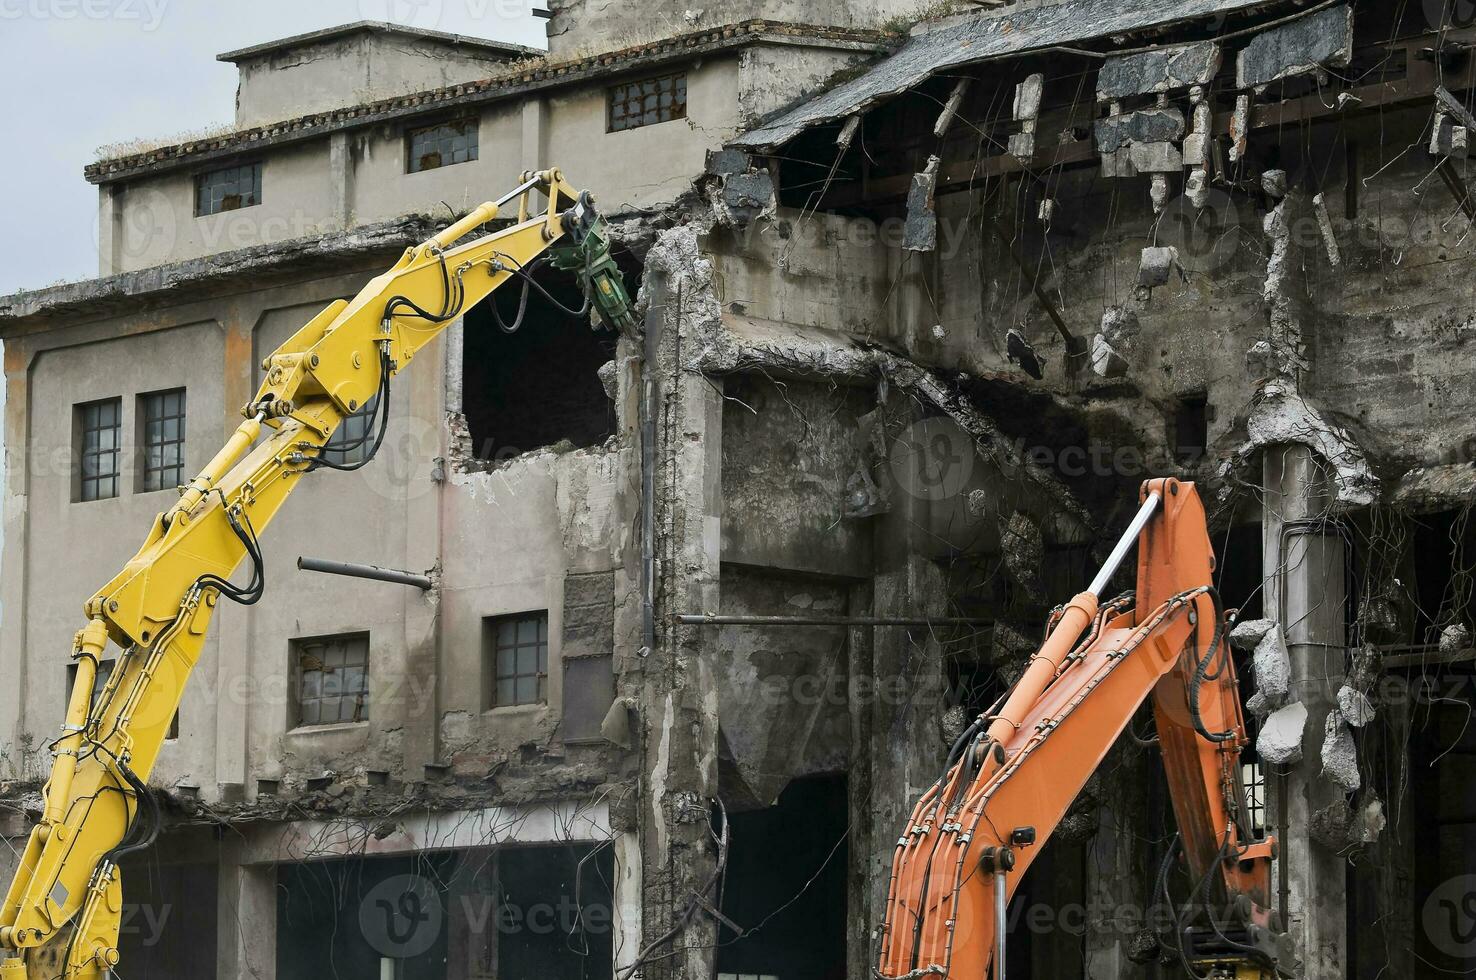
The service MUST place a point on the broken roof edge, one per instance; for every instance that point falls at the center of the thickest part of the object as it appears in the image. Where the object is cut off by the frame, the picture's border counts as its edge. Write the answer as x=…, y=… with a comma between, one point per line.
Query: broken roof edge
x=966, y=39
x=539, y=75
x=376, y=27
x=201, y=278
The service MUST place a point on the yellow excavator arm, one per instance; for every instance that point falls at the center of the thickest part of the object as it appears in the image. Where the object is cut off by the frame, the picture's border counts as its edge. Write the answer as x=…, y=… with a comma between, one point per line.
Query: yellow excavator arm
x=62, y=912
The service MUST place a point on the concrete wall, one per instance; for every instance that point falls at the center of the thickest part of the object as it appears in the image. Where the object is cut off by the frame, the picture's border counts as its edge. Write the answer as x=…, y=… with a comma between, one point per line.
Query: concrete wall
x=592, y=25
x=357, y=178
x=364, y=67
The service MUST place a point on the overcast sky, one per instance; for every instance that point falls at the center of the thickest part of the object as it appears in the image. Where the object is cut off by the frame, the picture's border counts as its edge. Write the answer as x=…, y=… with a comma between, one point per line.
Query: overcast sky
x=79, y=74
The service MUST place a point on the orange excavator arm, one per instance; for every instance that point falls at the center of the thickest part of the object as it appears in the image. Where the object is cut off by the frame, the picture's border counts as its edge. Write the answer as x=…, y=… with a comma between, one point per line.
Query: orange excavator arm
x=1012, y=776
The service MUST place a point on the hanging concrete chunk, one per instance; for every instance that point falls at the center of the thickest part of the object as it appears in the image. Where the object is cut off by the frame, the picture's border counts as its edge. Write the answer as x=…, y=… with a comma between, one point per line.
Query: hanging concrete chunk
x=1272, y=663
x=1355, y=706
x=1340, y=753
x=921, y=231
x=1240, y=127
x=1156, y=158
x=1320, y=40
x=1106, y=361
x=1159, y=70
x=1329, y=238
x=1249, y=634
x=1157, y=266
x=1027, y=98
x=1280, y=742
x=950, y=108
x=1144, y=126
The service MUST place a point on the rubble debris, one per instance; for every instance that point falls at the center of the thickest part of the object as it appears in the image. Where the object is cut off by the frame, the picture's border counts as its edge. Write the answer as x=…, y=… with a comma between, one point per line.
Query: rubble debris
x=1023, y=549
x=921, y=231
x=1159, y=191
x=1319, y=40
x=1329, y=238
x=1201, y=134
x=1369, y=823
x=725, y=162
x=1273, y=182
x=609, y=379
x=1046, y=211
x=1240, y=128
x=1158, y=70
x=950, y=108
x=1157, y=266
x=1448, y=103
x=1429, y=489
x=1155, y=125
x=952, y=724
x=1340, y=753
x=1106, y=361
x=740, y=199
x=978, y=503
x=1329, y=826
x=1027, y=111
x=1448, y=139
x=1355, y=706
x=1280, y=742
x=1020, y=353
x=1272, y=665
x=1196, y=188
x=1144, y=947
x=1280, y=414
x=1247, y=635
x=864, y=496
x=1455, y=639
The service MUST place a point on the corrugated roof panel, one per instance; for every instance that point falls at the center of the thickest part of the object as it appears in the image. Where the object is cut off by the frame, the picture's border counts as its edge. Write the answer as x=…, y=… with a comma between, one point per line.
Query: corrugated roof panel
x=981, y=39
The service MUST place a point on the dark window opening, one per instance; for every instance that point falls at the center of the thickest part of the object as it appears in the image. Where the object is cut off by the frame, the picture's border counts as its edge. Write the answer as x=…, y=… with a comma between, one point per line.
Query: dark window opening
x=787, y=870
x=442, y=145
x=511, y=912
x=169, y=915
x=99, y=428
x=517, y=660
x=162, y=417
x=539, y=386
x=1191, y=429
x=648, y=101
x=332, y=679
x=229, y=189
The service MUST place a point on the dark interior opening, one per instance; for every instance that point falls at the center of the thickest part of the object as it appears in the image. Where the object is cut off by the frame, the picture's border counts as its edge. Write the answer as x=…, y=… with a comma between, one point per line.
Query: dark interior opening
x=786, y=885
x=1191, y=429
x=167, y=930
x=540, y=385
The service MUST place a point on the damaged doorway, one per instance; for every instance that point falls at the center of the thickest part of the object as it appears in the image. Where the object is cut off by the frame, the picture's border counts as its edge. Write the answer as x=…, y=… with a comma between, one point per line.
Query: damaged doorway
x=786, y=886
x=540, y=385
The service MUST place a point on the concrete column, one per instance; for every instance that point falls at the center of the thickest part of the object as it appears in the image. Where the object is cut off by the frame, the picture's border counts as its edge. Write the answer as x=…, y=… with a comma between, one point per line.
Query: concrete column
x=341, y=168
x=419, y=438
x=109, y=230
x=535, y=134
x=1304, y=568
x=246, y=930
x=13, y=645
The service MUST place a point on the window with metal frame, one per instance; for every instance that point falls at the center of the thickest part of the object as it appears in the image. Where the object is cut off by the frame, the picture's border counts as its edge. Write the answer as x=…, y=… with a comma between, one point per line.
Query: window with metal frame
x=1254, y=778
x=99, y=430
x=332, y=679
x=648, y=101
x=162, y=415
x=228, y=189
x=441, y=145
x=517, y=649
x=354, y=437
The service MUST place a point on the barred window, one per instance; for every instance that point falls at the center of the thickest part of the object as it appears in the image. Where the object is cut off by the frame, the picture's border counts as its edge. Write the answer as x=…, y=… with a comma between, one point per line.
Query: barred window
x=333, y=679
x=352, y=440
x=648, y=101
x=163, y=419
x=1254, y=779
x=519, y=659
x=98, y=427
x=229, y=189
x=442, y=145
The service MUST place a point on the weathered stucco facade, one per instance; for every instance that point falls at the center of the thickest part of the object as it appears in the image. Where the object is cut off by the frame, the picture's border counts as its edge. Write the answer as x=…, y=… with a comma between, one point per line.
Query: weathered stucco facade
x=920, y=312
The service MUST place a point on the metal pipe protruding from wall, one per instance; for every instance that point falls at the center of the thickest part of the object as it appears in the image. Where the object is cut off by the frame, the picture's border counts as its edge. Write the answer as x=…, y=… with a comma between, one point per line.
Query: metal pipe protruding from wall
x=373, y=572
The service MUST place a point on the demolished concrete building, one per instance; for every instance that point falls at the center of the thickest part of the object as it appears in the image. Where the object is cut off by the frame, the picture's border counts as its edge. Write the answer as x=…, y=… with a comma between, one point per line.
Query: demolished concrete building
x=928, y=290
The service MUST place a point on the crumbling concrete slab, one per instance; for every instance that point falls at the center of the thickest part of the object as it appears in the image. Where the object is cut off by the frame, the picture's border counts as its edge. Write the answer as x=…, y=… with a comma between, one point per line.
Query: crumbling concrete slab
x=1320, y=40
x=1355, y=706
x=921, y=231
x=1280, y=742
x=1159, y=70
x=1143, y=126
x=1272, y=664
x=1106, y=361
x=971, y=40
x=1157, y=266
x=1248, y=635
